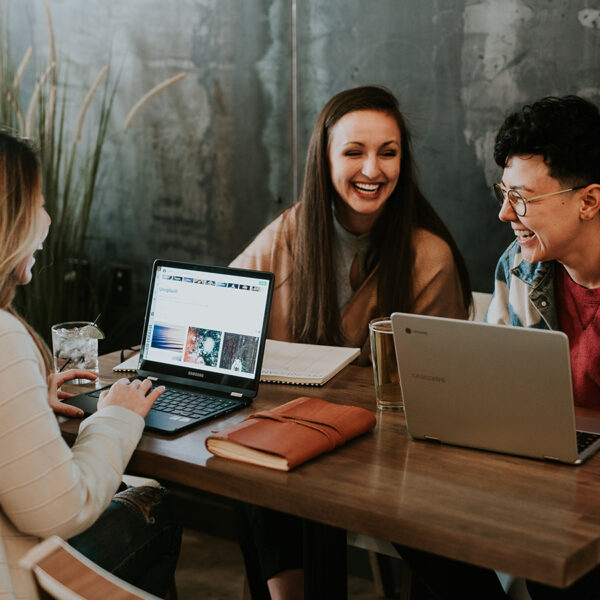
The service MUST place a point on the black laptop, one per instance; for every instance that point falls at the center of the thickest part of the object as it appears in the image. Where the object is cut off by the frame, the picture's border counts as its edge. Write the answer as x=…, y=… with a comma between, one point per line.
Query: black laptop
x=204, y=339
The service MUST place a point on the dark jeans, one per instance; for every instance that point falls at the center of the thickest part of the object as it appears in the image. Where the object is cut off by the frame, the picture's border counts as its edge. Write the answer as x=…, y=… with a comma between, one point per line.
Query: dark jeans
x=136, y=539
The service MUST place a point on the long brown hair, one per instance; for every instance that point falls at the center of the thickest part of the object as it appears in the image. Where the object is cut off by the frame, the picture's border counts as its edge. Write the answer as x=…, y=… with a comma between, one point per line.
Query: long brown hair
x=20, y=189
x=315, y=314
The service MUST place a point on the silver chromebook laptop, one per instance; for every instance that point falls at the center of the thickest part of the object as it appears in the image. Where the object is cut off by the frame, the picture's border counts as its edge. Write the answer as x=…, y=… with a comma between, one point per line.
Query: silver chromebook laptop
x=491, y=387
x=204, y=339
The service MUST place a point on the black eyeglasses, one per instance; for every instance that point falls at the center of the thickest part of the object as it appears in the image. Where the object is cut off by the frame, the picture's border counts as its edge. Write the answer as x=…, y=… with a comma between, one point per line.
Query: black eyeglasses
x=519, y=202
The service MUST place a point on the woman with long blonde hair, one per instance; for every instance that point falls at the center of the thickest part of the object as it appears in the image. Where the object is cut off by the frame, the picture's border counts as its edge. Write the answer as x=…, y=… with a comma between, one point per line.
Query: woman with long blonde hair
x=47, y=488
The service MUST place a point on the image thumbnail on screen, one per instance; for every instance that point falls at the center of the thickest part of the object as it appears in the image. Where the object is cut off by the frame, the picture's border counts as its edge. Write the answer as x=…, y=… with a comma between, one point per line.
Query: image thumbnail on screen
x=239, y=352
x=202, y=346
x=168, y=337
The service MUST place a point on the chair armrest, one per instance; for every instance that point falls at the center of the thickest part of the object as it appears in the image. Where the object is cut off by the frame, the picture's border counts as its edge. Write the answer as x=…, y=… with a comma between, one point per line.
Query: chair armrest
x=65, y=574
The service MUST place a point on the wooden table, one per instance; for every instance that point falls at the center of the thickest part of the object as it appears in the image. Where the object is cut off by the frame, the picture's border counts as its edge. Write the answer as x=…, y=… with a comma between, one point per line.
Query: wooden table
x=520, y=516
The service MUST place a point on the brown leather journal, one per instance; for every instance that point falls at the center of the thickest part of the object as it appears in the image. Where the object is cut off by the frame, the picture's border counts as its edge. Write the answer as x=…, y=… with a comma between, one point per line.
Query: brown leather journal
x=287, y=436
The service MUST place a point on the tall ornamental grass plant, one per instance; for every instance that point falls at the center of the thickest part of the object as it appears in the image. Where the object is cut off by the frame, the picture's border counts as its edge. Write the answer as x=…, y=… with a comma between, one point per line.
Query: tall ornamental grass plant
x=62, y=288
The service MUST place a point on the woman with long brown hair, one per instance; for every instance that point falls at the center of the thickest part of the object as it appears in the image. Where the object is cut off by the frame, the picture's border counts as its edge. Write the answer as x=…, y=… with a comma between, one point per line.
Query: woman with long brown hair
x=362, y=242
x=47, y=488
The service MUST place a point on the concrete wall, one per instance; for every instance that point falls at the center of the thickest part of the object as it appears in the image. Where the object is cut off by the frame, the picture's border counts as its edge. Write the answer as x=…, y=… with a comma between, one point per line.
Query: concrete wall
x=212, y=160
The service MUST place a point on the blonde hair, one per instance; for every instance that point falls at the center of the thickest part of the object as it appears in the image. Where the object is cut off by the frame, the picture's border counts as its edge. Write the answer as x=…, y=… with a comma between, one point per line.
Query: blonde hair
x=20, y=189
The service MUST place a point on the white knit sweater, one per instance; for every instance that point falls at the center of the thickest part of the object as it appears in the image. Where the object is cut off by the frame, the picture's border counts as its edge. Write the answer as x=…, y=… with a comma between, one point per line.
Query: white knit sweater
x=47, y=488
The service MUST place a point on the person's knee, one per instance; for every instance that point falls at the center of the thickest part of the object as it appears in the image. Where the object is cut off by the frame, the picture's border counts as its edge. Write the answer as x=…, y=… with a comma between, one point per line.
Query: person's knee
x=143, y=500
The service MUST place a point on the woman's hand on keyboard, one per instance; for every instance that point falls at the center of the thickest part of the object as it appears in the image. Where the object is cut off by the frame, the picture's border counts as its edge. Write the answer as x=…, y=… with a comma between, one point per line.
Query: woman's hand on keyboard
x=134, y=395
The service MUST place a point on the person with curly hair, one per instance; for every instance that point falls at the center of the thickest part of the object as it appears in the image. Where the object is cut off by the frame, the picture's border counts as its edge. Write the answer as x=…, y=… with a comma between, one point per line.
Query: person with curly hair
x=548, y=278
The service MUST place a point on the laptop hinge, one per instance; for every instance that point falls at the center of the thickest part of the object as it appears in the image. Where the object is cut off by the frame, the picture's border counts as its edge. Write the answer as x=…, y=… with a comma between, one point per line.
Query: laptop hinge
x=551, y=459
x=236, y=394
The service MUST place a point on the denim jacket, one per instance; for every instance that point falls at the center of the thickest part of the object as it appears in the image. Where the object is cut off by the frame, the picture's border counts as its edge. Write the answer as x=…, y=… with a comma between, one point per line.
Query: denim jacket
x=523, y=292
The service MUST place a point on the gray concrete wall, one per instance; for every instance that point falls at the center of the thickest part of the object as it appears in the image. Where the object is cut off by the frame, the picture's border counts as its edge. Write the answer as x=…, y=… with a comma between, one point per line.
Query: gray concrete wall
x=210, y=161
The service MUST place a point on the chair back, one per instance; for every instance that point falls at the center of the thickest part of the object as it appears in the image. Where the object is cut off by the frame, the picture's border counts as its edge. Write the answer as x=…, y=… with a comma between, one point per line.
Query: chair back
x=481, y=301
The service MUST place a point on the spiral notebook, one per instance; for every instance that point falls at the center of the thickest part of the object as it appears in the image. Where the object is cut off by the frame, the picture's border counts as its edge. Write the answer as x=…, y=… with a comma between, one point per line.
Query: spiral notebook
x=287, y=362
x=128, y=366
x=304, y=364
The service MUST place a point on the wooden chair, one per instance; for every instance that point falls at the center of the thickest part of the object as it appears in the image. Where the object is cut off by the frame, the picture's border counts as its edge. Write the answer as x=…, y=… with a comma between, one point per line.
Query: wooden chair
x=62, y=573
x=481, y=301
x=380, y=552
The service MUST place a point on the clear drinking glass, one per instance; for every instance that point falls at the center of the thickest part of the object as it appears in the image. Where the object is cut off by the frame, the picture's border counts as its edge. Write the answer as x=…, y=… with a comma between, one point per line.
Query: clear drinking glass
x=385, y=368
x=73, y=349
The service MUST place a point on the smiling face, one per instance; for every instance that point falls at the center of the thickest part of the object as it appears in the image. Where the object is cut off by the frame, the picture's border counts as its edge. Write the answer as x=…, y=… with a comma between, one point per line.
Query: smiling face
x=23, y=269
x=551, y=228
x=364, y=163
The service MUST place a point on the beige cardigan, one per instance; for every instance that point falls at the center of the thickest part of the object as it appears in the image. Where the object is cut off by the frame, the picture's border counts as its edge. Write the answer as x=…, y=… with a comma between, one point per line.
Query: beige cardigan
x=437, y=289
x=46, y=487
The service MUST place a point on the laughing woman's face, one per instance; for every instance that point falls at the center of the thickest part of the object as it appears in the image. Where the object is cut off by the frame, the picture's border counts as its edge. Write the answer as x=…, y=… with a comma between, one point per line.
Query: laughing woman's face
x=364, y=162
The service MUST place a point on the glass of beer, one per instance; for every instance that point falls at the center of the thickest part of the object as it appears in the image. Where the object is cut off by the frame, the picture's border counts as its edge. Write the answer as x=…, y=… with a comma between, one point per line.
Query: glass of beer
x=385, y=369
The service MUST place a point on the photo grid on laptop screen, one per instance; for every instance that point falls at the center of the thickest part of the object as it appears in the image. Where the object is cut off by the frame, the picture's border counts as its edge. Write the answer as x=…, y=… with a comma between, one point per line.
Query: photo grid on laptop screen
x=205, y=320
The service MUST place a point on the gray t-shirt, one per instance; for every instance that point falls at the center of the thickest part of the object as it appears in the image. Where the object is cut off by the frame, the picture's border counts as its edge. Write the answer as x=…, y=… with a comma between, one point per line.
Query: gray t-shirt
x=346, y=246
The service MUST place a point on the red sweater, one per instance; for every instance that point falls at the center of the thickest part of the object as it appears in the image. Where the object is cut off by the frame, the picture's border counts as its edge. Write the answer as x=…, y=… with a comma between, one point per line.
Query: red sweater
x=578, y=316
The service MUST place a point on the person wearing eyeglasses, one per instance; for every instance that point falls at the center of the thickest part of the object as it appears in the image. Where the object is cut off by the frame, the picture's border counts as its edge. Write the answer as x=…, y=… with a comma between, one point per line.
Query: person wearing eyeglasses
x=548, y=278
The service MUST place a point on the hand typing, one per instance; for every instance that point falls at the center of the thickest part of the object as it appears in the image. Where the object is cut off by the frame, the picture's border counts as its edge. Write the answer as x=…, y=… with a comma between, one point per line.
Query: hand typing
x=135, y=395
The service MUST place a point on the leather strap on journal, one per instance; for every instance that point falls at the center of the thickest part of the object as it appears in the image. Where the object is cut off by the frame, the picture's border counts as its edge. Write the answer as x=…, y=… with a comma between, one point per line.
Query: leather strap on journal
x=332, y=434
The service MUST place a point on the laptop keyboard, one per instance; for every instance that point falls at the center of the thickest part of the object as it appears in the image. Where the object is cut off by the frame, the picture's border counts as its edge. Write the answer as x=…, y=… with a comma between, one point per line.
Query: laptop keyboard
x=194, y=405
x=190, y=404
x=585, y=440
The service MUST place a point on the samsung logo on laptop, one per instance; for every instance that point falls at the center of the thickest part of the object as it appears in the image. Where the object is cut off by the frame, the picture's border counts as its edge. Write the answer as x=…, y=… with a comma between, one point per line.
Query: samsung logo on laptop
x=195, y=374
x=433, y=378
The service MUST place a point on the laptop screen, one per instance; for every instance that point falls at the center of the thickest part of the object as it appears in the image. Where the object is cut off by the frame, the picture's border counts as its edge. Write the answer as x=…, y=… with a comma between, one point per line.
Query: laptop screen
x=206, y=323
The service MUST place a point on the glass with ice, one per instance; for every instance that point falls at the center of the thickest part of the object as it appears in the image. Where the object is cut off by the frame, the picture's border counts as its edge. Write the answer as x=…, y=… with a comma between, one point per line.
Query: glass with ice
x=75, y=346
